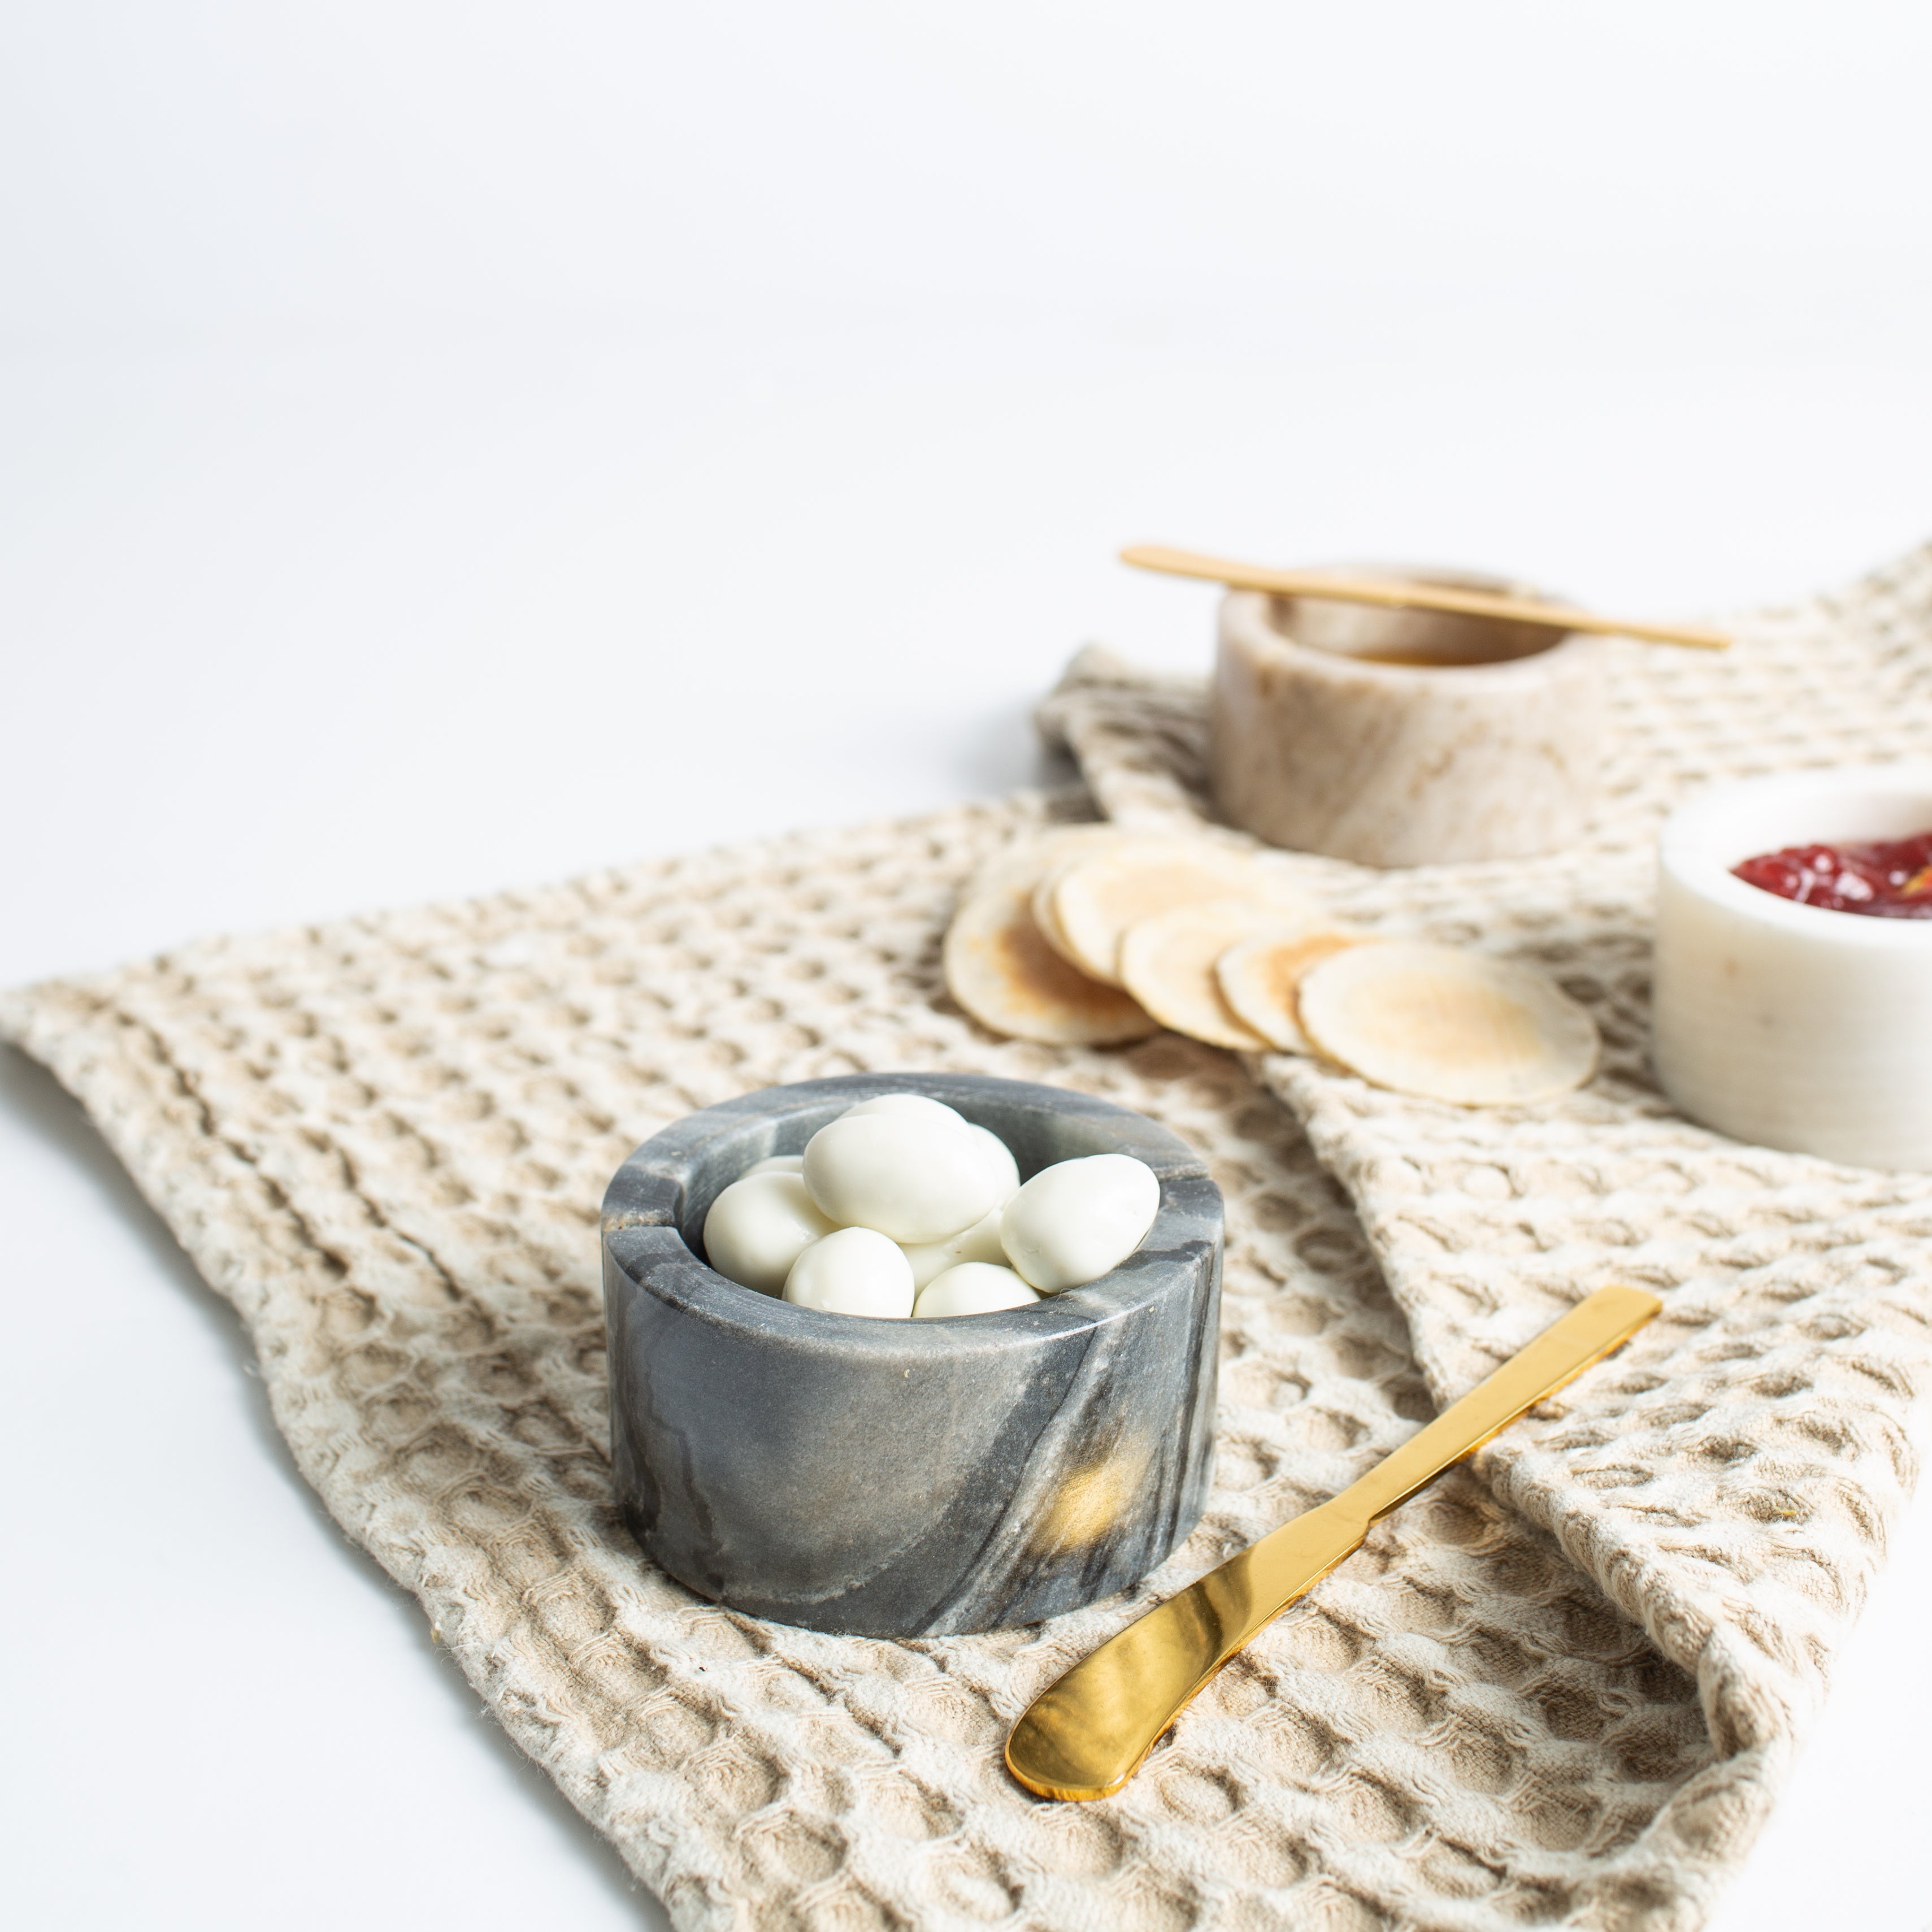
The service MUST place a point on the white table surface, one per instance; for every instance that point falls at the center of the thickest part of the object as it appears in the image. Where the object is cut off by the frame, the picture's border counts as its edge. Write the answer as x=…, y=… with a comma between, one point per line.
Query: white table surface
x=405, y=413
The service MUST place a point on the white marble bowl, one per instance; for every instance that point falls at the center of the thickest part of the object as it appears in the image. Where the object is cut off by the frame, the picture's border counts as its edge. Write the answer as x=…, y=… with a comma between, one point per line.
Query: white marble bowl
x=1482, y=742
x=1787, y=1024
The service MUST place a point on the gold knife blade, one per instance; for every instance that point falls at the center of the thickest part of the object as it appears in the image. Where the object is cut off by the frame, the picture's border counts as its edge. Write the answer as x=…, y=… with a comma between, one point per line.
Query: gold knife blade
x=1086, y=1734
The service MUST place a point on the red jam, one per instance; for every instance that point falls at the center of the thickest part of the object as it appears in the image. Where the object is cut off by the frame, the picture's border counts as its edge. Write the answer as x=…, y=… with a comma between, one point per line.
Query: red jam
x=1892, y=879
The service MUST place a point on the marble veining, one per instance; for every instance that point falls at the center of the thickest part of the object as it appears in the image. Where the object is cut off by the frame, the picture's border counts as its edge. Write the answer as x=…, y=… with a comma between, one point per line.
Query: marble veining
x=908, y=1478
x=1397, y=763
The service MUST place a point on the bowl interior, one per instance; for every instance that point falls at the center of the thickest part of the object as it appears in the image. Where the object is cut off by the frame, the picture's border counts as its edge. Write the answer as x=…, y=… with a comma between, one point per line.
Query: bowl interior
x=654, y=1208
x=1036, y=1139
x=1430, y=640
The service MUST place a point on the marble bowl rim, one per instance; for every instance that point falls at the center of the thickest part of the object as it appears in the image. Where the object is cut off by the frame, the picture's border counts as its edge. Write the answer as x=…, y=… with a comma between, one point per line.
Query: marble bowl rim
x=759, y=1318
x=1252, y=611
x=1699, y=845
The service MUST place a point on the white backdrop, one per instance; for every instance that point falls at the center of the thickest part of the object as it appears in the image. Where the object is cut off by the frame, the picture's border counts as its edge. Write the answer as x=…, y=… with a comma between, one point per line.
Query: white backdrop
x=445, y=445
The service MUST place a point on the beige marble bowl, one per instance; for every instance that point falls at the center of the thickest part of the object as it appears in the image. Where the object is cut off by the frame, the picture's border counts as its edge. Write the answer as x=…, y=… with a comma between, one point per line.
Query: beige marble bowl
x=1403, y=737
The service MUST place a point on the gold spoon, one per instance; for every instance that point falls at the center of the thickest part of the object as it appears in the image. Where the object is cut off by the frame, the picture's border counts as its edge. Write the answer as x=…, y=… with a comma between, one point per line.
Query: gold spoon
x=1408, y=596
x=1086, y=1735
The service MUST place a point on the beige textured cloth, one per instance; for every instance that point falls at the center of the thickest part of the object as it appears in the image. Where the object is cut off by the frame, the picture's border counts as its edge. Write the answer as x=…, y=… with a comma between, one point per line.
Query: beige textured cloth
x=1562, y=1691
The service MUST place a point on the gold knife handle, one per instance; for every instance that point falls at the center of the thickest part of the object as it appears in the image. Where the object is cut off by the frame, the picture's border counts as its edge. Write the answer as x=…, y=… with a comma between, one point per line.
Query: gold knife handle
x=1598, y=1323
x=1086, y=1734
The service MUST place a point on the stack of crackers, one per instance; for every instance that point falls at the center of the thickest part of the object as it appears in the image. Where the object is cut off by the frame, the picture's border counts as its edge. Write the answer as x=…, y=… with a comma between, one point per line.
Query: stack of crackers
x=1088, y=935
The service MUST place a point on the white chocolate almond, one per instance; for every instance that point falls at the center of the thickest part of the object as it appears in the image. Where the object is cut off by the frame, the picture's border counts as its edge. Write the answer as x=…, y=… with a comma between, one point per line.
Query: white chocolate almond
x=911, y=1177
x=1074, y=1221
x=917, y=1104
x=978, y=1242
x=1260, y=979
x=999, y=1157
x=759, y=1225
x=1448, y=1025
x=973, y=1288
x=1006, y=1169
x=852, y=1271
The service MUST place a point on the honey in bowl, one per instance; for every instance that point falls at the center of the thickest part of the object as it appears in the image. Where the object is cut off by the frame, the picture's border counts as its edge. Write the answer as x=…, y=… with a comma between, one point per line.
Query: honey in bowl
x=1421, y=640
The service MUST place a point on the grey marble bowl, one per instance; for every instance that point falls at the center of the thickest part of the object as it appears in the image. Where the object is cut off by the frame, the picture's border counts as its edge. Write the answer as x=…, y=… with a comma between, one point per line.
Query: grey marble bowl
x=908, y=1478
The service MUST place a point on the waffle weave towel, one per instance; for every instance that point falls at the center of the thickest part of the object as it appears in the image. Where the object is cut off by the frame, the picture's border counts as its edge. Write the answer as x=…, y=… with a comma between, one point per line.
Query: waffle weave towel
x=1560, y=1688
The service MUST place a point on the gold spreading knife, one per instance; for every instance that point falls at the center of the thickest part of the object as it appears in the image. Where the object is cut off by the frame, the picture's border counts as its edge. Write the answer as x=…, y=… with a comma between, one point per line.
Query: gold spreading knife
x=1086, y=1735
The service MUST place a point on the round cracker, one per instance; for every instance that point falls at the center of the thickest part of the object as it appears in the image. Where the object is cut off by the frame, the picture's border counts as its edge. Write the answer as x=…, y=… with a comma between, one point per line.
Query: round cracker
x=1004, y=973
x=1260, y=979
x=1044, y=915
x=1095, y=902
x=1030, y=858
x=1448, y=1025
x=1169, y=963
